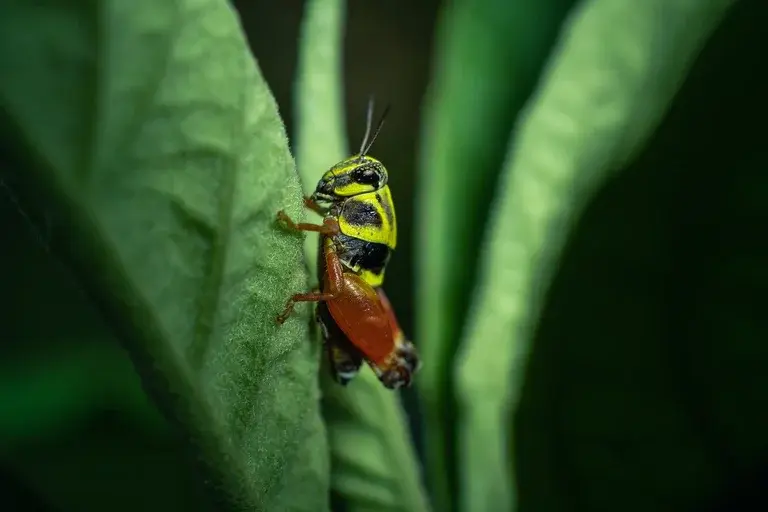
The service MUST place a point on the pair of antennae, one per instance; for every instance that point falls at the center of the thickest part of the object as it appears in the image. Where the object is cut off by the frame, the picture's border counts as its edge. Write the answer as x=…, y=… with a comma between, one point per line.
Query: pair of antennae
x=366, y=145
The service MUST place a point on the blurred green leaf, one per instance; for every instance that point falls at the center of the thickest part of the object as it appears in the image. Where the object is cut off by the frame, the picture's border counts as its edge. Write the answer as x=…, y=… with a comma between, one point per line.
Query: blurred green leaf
x=54, y=372
x=102, y=463
x=373, y=466
x=646, y=377
x=319, y=99
x=57, y=376
x=617, y=68
x=148, y=133
x=44, y=393
x=490, y=54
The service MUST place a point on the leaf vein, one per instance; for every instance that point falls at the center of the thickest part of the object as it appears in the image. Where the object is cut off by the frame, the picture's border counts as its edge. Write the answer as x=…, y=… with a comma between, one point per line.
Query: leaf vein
x=213, y=288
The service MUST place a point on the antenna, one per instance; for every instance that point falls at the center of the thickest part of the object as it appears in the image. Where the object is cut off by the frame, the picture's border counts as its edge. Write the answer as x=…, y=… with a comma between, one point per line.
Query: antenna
x=368, y=121
x=366, y=145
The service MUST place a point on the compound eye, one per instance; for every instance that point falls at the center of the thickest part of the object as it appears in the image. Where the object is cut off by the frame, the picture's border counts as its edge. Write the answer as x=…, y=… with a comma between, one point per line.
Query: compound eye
x=366, y=176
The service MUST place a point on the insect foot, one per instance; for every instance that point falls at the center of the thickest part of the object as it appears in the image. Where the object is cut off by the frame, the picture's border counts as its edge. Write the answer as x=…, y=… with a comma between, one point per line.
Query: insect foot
x=282, y=317
x=408, y=357
x=284, y=221
x=396, y=377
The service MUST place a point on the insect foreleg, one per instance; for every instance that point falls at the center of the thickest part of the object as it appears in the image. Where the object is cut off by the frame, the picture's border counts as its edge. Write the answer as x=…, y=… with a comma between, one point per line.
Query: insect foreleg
x=329, y=227
x=310, y=204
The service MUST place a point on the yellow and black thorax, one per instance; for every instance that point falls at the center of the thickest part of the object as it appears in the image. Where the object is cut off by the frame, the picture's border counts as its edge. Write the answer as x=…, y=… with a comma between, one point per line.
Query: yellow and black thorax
x=359, y=199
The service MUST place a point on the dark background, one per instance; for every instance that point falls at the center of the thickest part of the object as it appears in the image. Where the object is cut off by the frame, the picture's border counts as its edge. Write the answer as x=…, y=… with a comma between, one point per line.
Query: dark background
x=651, y=358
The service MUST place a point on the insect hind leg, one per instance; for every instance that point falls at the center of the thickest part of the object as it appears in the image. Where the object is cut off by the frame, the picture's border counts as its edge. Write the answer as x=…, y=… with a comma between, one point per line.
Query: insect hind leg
x=302, y=297
x=333, y=278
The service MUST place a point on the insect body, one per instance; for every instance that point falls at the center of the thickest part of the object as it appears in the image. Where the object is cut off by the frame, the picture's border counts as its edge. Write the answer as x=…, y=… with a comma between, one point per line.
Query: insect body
x=359, y=199
x=359, y=323
x=358, y=235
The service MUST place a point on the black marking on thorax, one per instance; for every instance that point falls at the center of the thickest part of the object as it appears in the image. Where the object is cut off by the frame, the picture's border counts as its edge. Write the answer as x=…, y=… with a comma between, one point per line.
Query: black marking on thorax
x=367, y=255
x=387, y=207
x=360, y=213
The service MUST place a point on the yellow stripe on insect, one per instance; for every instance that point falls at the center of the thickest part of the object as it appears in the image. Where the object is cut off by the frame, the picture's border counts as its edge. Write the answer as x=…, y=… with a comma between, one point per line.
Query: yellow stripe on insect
x=375, y=280
x=370, y=217
x=353, y=189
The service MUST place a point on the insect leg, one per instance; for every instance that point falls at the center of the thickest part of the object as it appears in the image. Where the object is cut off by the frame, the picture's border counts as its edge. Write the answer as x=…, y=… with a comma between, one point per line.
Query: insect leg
x=329, y=227
x=302, y=297
x=333, y=278
x=312, y=205
x=334, y=272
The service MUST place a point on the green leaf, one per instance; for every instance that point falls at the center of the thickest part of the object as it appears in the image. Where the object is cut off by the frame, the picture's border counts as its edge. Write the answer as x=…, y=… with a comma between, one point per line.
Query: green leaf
x=77, y=427
x=105, y=463
x=489, y=56
x=146, y=132
x=42, y=393
x=647, y=368
x=373, y=466
x=617, y=67
x=319, y=100
x=56, y=372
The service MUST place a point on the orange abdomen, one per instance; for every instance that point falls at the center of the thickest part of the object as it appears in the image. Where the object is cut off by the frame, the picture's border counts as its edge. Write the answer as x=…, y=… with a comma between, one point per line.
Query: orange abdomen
x=359, y=313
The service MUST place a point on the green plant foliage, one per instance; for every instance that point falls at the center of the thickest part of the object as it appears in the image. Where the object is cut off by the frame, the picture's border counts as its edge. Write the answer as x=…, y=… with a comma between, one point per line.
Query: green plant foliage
x=57, y=388
x=611, y=80
x=146, y=132
x=77, y=428
x=373, y=466
x=586, y=299
x=645, y=381
x=489, y=58
x=319, y=98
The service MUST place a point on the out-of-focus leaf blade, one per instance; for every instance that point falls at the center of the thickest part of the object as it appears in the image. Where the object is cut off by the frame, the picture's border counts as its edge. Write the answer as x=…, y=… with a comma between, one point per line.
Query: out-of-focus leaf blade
x=373, y=466
x=372, y=460
x=56, y=372
x=618, y=66
x=319, y=101
x=646, y=369
x=103, y=463
x=489, y=57
x=76, y=426
x=41, y=394
x=148, y=131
